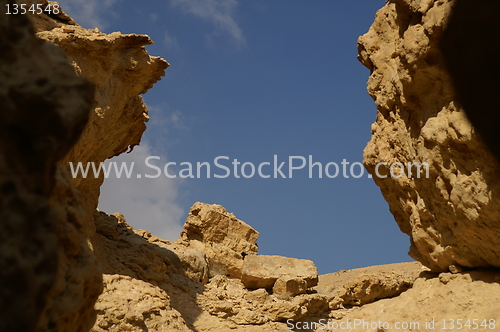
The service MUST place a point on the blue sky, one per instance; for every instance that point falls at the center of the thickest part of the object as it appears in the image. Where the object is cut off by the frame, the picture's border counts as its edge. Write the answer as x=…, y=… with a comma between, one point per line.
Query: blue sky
x=250, y=80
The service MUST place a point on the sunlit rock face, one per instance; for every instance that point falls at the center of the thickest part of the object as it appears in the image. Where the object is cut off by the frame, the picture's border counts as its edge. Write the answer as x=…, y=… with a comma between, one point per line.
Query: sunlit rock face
x=452, y=216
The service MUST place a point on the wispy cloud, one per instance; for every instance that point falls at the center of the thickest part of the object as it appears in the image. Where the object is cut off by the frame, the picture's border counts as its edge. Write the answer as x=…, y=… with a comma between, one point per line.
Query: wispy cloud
x=167, y=126
x=146, y=203
x=176, y=118
x=89, y=13
x=220, y=13
x=171, y=42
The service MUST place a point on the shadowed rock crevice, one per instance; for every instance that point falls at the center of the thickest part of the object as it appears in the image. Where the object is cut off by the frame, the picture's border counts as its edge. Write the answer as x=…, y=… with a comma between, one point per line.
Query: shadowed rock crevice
x=471, y=57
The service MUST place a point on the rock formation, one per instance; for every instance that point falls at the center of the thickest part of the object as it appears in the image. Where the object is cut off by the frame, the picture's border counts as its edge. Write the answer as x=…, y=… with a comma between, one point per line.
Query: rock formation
x=452, y=215
x=466, y=44
x=467, y=298
x=224, y=239
x=265, y=271
x=51, y=116
x=44, y=108
x=70, y=267
x=200, y=275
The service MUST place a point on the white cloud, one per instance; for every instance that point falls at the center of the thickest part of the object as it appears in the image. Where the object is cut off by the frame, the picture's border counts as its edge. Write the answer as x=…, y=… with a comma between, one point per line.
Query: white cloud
x=88, y=13
x=176, y=118
x=166, y=126
x=171, y=42
x=146, y=203
x=218, y=12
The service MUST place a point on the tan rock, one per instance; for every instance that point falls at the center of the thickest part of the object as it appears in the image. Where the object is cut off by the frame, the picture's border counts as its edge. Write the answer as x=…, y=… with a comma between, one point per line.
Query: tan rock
x=299, y=307
x=48, y=105
x=466, y=42
x=332, y=282
x=368, y=288
x=132, y=253
x=248, y=317
x=464, y=298
x=288, y=286
x=258, y=296
x=121, y=70
x=452, y=215
x=194, y=264
x=223, y=238
x=129, y=304
x=261, y=271
x=49, y=276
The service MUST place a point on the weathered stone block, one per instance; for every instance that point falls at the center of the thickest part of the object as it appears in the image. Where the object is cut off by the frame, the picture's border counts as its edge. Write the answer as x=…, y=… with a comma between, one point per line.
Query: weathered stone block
x=261, y=271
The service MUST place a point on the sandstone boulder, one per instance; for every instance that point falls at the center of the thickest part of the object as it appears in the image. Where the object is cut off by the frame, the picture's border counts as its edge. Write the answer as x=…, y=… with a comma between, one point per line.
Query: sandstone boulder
x=223, y=238
x=261, y=271
x=452, y=214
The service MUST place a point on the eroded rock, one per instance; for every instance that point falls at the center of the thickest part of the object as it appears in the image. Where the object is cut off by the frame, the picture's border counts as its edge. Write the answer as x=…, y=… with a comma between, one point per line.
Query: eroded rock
x=121, y=69
x=286, y=286
x=452, y=215
x=49, y=275
x=468, y=294
x=223, y=238
x=46, y=110
x=368, y=288
x=129, y=304
x=262, y=271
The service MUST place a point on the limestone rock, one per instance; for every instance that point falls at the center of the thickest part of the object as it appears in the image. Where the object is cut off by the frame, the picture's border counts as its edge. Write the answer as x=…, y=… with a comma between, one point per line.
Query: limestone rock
x=299, y=307
x=452, y=215
x=448, y=297
x=288, y=286
x=121, y=70
x=46, y=112
x=221, y=236
x=129, y=304
x=368, y=288
x=49, y=276
x=261, y=271
x=228, y=298
x=466, y=43
x=132, y=253
x=248, y=317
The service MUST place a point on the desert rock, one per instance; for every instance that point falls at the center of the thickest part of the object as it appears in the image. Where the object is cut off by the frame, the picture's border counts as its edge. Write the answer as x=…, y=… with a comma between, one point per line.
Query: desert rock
x=173, y=271
x=442, y=300
x=134, y=305
x=53, y=115
x=368, y=288
x=466, y=42
x=121, y=69
x=49, y=276
x=262, y=271
x=289, y=286
x=452, y=215
x=221, y=236
x=212, y=278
